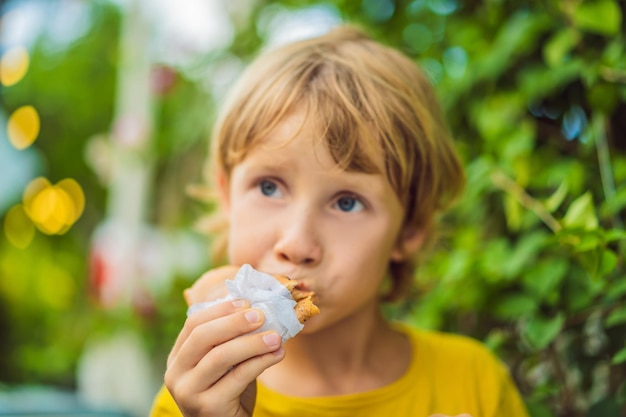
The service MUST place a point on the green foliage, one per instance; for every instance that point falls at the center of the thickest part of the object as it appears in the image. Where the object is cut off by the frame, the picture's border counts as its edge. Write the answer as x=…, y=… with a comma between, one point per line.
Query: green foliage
x=47, y=306
x=44, y=308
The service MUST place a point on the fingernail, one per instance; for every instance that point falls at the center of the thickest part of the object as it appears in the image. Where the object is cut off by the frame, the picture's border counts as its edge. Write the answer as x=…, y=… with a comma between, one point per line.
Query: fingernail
x=253, y=316
x=271, y=339
x=239, y=303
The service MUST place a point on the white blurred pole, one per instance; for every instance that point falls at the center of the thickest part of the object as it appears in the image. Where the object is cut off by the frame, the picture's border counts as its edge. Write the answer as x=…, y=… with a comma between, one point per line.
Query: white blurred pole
x=105, y=378
x=132, y=163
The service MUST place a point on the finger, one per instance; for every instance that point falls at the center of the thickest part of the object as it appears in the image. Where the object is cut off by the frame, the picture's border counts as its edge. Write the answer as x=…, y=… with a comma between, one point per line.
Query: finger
x=209, y=335
x=227, y=357
x=204, y=316
x=233, y=384
x=244, y=357
x=215, y=403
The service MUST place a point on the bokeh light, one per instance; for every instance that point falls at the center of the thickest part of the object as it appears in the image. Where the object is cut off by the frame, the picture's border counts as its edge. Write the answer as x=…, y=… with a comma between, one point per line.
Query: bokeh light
x=417, y=37
x=23, y=127
x=378, y=10
x=53, y=208
x=75, y=192
x=455, y=61
x=13, y=65
x=18, y=228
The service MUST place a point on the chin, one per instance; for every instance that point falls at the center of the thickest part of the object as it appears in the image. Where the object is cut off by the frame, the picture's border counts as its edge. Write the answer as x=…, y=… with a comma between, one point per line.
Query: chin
x=312, y=326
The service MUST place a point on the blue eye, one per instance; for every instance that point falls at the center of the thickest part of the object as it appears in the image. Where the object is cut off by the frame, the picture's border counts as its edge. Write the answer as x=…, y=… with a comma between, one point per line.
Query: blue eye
x=349, y=204
x=268, y=188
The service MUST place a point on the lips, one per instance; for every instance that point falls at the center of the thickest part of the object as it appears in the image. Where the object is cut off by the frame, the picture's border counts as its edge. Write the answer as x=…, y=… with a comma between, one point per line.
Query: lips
x=305, y=307
x=297, y=280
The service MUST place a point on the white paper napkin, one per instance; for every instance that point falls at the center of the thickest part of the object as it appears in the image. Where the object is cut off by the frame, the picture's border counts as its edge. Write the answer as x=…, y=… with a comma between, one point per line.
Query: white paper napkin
x=265, y=293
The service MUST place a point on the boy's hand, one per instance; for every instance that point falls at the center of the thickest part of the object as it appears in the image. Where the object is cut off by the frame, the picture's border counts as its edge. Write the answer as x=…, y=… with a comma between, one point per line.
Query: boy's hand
x=214, y=363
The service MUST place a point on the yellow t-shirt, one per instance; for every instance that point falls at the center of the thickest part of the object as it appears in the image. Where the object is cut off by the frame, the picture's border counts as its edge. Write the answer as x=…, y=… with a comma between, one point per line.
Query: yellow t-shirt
x=448, y=374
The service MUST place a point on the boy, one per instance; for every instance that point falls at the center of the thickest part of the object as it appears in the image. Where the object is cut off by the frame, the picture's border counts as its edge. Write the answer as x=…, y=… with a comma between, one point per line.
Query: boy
x=331, y=162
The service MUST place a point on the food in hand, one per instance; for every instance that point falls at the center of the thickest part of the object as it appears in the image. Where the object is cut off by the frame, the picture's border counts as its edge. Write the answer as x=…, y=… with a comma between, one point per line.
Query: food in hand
x=211, y=286
x=305, y=308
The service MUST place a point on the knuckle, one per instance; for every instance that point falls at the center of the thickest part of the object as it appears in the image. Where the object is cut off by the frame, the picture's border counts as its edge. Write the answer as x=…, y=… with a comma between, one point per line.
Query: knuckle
x=197, y=335
x=248, y=370
x=220, y=356
x=184, y=396
x=241, y=372
x=170, y=383
x=192, y=322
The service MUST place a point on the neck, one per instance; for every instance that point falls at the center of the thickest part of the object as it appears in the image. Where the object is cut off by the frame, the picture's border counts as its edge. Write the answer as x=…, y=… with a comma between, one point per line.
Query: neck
x=342, y=346
x=359, y=353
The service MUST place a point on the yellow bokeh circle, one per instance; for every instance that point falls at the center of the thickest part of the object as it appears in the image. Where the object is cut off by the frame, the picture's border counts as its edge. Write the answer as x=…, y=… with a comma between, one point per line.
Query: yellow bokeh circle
x=53, y=208
x=18, y=228
x=23, y=127
x=13, y=65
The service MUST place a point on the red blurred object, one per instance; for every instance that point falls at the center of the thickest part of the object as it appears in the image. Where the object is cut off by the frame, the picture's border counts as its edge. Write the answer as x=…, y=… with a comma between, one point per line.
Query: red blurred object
x=162, y=79
x=97, y=274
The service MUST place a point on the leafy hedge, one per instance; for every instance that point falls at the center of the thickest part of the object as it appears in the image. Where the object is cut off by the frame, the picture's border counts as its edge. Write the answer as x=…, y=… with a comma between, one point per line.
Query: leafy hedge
x=532, y=258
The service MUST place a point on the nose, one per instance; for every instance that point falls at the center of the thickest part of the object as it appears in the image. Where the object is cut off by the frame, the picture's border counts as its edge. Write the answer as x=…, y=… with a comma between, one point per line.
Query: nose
x=298, y=242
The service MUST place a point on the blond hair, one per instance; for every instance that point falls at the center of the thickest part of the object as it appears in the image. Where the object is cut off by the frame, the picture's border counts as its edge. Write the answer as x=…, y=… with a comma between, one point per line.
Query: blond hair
x=363, y=96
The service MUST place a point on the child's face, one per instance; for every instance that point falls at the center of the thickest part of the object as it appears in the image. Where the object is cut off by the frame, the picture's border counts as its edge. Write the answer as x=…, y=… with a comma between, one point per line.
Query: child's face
x=291, y=211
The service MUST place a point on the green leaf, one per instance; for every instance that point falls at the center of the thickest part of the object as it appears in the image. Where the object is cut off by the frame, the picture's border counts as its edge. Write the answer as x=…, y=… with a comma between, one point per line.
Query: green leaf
x=540, y=332
x=606, y=407
x=524, y=253
x=513, y=212
x=608, y=262
x=554, y=201
x=616, y=317
x=538, y=409
x=559, y=45
x=603, y=97
x=619, y=357
x=497, y=114
x=581, y=213
x=614, y=234
x=602, y=17
x=516, y=306
x=615, y=203
x=495, y=339
x=617, y=289
x=538, y=82
x=544, y=277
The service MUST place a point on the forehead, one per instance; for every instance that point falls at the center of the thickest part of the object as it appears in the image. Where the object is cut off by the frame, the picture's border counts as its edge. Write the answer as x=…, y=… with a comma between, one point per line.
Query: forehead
x=292, y=142
x=335, y=147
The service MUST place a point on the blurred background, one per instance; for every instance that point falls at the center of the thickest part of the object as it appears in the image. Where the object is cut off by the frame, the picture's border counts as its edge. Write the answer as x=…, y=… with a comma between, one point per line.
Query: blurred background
x=105, y=109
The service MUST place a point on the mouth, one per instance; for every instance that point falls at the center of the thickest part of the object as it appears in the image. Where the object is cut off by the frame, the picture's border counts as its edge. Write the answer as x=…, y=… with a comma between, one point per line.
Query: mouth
x=302, y=293
x=299, y=284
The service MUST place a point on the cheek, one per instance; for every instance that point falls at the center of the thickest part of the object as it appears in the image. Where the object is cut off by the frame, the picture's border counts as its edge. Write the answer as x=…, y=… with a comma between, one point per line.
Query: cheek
x=363, y=257
x=249, y=234
x=371, y=246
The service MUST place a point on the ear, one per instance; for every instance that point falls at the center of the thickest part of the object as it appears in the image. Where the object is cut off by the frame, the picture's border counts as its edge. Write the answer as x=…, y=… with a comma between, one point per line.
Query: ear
x=223, y=190
x=409, y=242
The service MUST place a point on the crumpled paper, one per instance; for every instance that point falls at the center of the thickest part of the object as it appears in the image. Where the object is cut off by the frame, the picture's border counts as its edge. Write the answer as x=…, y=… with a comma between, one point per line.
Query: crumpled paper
x=265, y=293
